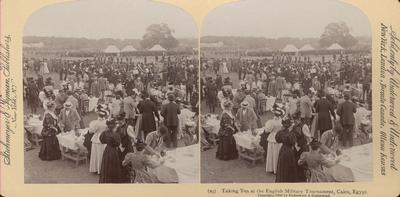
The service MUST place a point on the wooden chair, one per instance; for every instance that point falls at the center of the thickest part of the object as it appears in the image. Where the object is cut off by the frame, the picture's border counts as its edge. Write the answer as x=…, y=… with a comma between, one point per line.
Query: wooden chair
x=74, y=155
x=253, y=155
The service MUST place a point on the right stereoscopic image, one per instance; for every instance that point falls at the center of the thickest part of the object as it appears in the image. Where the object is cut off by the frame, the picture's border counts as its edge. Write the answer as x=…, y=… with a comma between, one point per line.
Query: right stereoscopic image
x=286, y=93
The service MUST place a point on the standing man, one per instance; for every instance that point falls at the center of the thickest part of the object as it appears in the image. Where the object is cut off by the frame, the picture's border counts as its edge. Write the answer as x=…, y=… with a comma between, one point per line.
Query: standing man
x=211, y=96
x=170, y=113
x=346, y=112
x=69, y=118
x=129, y=107
x=306, y=107
x=246, y=117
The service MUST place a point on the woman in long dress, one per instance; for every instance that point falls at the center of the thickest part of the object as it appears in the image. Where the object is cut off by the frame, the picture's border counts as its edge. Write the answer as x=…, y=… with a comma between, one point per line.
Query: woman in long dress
x=97, y=127
x=141, y=164
x=223, y=68
x=315, y=161
x=45, y=68
x=50, y=148
x=127, y=136
x=273, y=126
x=325, y=110
x=149, y=111
x=111, y=163
x=227, y=145
x=287, y=166
x=303, y=138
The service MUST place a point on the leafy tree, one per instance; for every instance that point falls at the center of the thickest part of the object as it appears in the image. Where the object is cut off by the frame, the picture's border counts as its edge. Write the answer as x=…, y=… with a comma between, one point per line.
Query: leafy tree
x=337, y=33
x=159, y=34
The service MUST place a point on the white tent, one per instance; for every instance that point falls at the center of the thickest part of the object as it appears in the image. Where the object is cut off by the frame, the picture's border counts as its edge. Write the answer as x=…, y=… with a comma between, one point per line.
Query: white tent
x=290, y=49
x=307, y=47
x=128, y=48
x=111, y=49
x=335, y=46
x=157, y=47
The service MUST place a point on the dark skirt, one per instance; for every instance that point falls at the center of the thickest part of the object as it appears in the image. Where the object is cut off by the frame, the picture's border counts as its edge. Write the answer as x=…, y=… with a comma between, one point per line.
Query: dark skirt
x=125, y=170
x=110, y=166
x=227, y=148
x=50, y=149
x=287, y=165
x=301, y=169
x=148, y=123
x=324, y=122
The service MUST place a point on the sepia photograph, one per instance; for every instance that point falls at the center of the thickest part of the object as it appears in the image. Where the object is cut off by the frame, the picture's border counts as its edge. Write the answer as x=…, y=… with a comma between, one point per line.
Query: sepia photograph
x=286, y=93
x=111, y=93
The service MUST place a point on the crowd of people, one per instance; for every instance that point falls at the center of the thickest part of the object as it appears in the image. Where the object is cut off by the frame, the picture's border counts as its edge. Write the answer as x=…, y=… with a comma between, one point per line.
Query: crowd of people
x=319, y=107
x=143, y=109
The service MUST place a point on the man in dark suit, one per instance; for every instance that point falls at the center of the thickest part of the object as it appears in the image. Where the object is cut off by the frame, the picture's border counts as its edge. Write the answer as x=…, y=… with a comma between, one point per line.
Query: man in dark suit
x=346, y=112
x=211, y=96
x=170, y=113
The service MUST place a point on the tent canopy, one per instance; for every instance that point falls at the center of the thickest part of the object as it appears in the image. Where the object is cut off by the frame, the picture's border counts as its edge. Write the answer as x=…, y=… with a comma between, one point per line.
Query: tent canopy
x=157, y=47
x=128, y=48
x=307, y=47
x=111, y=49
x=335, y=46
x=290, y=48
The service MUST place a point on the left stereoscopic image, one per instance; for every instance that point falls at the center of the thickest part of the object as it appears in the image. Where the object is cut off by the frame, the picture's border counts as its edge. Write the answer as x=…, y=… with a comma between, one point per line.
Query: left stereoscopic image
x=110, y=93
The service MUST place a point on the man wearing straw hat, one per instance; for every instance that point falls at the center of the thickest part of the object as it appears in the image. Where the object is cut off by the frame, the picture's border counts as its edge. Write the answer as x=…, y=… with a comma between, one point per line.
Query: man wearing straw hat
x=246, y=117
x=69, y=118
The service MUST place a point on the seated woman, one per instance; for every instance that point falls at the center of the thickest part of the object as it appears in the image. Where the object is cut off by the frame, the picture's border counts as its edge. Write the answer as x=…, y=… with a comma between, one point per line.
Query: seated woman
x=330, y=140
x=155, y=141
x=315, y=161
x=189, y=133
x=140, y=163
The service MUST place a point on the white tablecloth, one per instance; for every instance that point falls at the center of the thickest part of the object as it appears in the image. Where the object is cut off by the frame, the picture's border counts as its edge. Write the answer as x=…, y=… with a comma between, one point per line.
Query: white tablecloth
x=359, y=161
x=212, y=125
x=34, y=125
x=247, y=140
x=70, y=141
x=93, y=103
x=186, y=163
x=270, y=103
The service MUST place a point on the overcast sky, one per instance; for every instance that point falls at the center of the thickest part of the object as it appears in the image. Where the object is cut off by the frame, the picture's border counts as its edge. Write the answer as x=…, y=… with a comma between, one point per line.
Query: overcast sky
x=108, y=19
x=283, y=18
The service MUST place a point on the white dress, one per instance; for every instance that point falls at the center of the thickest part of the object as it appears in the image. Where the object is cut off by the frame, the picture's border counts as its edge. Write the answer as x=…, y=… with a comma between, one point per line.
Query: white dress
x=96, y=156
x=45, y=68
x=223, y=68
x=272, y=126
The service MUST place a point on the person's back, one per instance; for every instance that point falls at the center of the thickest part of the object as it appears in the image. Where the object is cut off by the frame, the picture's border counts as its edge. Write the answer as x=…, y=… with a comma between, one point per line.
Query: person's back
x=128, y=106
x=323, y=105
x=170, y=114
x=346, y=112
x=305, y=106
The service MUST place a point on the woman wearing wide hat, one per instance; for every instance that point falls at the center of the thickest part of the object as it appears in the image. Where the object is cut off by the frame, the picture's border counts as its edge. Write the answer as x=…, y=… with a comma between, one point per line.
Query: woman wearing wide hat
x=273, y=126
x=97, y=127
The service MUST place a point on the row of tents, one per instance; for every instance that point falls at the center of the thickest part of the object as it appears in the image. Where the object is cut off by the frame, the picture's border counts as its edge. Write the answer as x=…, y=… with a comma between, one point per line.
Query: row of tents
x=293, y=49
x=288, y=48
x=130, y=48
